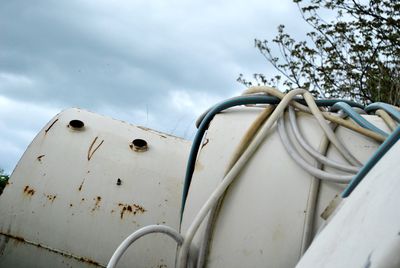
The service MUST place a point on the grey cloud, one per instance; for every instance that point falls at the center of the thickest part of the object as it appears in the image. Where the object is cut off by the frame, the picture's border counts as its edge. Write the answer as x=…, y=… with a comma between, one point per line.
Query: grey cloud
x=128, y=59
x=82, y=54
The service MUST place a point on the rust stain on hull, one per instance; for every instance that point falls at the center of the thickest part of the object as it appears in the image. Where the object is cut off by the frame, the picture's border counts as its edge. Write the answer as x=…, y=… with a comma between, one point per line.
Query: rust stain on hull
x=90, y=152
x=51, y=197
x=64, y=254
x=29, y=191
x=80, y=186
x=134, y=209
x=52, y=124
x=97, y=203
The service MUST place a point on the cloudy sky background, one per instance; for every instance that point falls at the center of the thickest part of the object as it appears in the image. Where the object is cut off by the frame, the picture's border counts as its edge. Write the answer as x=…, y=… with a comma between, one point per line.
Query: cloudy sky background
x=157, y=64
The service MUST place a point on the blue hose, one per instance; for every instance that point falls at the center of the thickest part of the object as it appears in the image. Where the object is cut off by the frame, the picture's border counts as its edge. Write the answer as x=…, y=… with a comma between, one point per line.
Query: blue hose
x=386, y=107
x=299, y=100
x=389, y=142
x=241, y=100
x=357, y=117
x=209, y=115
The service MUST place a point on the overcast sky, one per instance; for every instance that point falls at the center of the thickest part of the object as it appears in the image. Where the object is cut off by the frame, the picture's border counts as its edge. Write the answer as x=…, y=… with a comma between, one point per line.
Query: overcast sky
x=157, y=64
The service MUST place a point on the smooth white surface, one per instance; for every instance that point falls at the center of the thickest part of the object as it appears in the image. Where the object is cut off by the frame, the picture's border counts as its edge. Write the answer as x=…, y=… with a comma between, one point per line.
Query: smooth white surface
x=365, y=232
x=261, y=221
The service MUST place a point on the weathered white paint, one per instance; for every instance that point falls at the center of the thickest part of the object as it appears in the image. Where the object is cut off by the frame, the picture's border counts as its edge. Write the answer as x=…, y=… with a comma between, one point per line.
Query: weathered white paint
x=261, y=221
x=64, y=201
x=59, y=199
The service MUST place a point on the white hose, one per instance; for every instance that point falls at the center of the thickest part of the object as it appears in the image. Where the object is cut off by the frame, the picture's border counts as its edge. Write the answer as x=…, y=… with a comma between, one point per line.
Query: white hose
x=305, y=165
x=313, y=192
x=249, y=135
x=328, y=116
x=328, y=131
x=309, y=217
x=138, y=234
x=244, y=153
x=311, y=204
x=240, y=148
x=231, y=175
x=313, y=108
x=321, y=158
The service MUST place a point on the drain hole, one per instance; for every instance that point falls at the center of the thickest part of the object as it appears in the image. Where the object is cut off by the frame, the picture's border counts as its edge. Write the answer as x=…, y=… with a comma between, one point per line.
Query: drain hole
x=139, y=145
x=76, y=124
